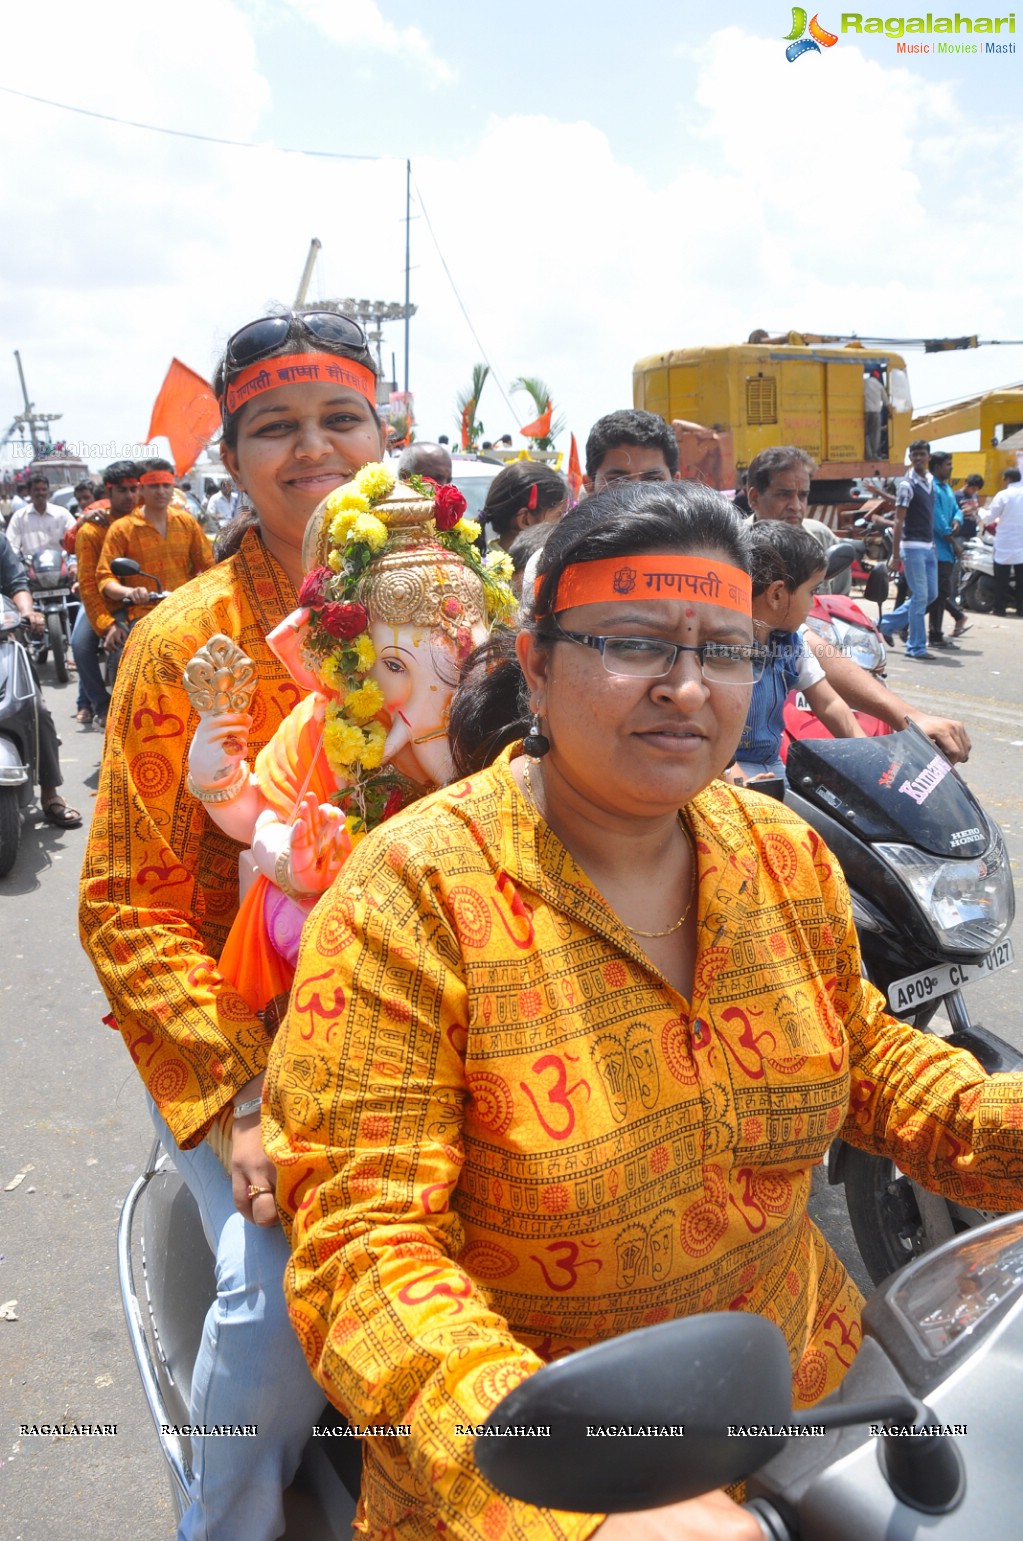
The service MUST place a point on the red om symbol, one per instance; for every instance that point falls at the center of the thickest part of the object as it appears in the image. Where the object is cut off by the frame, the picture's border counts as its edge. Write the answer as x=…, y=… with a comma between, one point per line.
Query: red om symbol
x=749, y=1205
x=145, y=1037
x=558, y=1095
x=158, y=718
x=453, y=1292
x=523, y=934
x=748, y=1040
x=168, y=873
x=568, y=1263
x=313, y=1004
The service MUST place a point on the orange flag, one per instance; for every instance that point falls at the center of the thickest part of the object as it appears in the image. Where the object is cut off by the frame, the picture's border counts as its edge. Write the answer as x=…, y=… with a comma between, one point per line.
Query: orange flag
x=575, y=471
x=542, y=426
x=469, y=406
x=186, y=413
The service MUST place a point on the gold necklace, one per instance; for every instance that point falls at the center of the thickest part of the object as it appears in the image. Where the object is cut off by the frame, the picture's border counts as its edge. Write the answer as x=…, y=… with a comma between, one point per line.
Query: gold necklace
x=692, y=883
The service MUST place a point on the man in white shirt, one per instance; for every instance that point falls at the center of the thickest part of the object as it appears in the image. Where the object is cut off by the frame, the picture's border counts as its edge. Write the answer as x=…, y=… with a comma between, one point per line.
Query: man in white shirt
x=223, y=505
x=40, y=523
x=1005, y=515
x=875, y=398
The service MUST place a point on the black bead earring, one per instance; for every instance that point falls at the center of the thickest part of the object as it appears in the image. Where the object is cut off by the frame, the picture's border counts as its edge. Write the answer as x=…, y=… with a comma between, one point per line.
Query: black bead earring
x=535, y=743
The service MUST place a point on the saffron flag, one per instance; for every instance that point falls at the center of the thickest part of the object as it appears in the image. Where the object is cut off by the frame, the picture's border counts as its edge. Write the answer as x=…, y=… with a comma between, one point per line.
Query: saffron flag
x=575, y=472
x=541, y=427
x=470, y=406
x=186, y=413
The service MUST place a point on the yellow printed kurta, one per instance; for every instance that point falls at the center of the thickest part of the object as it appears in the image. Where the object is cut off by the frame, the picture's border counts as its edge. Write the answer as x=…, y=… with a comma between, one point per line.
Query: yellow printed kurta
x=160, y=882
x=501, y=1135
x=89, y=539
x=173, y=559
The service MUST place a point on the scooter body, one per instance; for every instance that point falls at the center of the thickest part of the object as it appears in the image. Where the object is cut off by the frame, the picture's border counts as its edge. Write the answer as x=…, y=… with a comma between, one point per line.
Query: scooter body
x=161, y=1245
x=921, y=1439
x=19, y=731
x=977, y=590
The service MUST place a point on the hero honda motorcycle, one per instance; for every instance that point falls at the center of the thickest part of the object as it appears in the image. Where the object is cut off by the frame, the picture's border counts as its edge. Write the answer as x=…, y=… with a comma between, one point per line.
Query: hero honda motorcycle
x=19, y=730
x=50, y=577
x=919, y=1440
x=933, y=900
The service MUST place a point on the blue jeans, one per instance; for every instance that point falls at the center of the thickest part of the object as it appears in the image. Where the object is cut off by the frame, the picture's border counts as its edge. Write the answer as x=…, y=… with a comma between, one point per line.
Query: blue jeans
x=85, y=647
x=249, y=1369
x=920, y=566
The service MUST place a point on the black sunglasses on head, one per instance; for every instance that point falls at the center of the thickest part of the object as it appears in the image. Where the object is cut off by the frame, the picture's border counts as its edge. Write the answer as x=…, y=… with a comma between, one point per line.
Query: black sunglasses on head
x=261, y=338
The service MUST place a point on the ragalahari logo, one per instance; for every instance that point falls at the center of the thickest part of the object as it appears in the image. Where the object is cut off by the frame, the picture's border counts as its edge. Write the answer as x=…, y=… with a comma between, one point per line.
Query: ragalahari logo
x=797, y=40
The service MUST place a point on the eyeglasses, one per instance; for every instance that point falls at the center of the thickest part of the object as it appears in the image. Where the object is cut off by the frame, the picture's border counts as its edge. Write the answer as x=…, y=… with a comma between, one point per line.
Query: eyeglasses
x=261, y=338
x=648, y=658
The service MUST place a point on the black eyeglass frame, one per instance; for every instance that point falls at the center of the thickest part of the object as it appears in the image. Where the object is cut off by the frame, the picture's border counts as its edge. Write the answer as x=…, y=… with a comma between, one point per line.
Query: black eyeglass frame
x=757, y=653
x=328, y=326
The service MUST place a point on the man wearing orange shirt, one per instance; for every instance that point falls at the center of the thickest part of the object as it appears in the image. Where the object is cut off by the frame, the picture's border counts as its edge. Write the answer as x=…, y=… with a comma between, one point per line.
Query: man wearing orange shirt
x=95, y=624
x=166, y=542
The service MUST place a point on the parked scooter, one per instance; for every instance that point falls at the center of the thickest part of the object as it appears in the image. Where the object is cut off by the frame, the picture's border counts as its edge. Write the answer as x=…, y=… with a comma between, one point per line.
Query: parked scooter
x=918, y=1440
x=50, y=578
x=977, y=590
x=160, y=1221
x=933, y=901
x=19, y=730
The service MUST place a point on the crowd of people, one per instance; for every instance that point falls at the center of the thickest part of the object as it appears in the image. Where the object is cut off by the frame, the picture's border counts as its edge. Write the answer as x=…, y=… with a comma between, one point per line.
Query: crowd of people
x=446, y=1109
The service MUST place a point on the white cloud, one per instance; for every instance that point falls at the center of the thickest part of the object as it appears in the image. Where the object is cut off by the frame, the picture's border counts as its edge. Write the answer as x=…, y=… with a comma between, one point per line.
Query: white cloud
x=853, y=198
x=361, y=25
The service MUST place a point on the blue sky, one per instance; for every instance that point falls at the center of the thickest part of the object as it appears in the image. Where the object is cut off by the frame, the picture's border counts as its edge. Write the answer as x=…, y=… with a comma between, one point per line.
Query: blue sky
x=602, y=182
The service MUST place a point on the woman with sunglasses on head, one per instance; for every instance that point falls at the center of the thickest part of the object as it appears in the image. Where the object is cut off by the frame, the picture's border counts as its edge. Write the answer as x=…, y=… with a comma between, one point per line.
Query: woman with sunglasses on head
x=593, y=1018
x=160, y=891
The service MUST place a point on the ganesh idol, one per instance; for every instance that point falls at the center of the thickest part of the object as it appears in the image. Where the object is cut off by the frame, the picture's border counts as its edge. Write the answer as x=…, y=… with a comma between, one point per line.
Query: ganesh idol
x=396, y=596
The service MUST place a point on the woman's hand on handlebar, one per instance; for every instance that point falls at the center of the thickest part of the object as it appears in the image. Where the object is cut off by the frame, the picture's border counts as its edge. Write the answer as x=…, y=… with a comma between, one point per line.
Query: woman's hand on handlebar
x=714, y=1517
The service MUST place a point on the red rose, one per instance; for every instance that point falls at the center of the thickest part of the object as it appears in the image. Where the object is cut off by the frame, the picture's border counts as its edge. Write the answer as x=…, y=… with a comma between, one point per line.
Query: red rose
x=314, y=587
x=448, y=506
x=344, y=620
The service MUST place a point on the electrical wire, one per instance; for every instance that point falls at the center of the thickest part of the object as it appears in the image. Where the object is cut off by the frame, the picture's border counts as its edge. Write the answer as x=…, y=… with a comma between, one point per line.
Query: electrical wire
x=183, y=133
x=461, y=304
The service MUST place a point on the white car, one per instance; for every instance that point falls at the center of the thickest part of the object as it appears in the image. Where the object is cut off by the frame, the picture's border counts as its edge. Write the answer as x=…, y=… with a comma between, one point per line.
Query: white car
x=472, y=477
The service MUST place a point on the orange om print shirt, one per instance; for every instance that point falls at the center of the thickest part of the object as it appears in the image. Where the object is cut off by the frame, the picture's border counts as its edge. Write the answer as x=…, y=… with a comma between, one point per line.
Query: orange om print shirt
x=501, y=1135
x=160, y=882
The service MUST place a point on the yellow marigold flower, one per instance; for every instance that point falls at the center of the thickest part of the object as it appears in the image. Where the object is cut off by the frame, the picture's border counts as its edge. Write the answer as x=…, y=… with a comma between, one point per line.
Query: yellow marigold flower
x=375, y=737
x=467, y=530
x=499, y=563
x=366, y=651
x=342, y=741
x=340, y=525
x=356, y=829
x=375, y=480
x=347, y=499
x=331, y=672
x=371, y=530
x=334, y=561
x=364, y=703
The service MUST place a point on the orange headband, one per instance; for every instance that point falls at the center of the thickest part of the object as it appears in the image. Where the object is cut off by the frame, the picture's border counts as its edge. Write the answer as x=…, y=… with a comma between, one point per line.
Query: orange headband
x=156, y=479
x=655, y=577
x=297, y=368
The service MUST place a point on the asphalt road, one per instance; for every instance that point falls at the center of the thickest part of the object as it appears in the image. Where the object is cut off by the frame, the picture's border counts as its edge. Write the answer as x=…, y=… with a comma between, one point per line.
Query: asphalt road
x=74, y=1125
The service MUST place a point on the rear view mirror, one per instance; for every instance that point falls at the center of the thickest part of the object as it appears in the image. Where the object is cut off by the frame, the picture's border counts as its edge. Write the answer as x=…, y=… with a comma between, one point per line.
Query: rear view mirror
x=124, y=567
x=700, y=1375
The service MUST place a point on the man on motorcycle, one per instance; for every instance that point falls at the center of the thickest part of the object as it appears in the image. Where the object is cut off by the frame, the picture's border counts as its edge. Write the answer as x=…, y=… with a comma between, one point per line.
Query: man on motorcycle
x=95, y=624
x=165, y=541
x=14, y=586
x=40, y=523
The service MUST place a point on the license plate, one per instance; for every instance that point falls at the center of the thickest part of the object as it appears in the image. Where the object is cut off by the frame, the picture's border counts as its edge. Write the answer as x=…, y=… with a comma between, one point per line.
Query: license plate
x=916, y=990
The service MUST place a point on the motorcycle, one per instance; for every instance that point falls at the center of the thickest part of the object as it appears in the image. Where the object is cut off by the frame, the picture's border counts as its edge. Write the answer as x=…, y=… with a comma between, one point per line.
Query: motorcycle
x=933, y=900
x=19, y=730
x=160, y=1224
x=977, y=590
x=50, y=577
x=915, y=1441
x=124, y=568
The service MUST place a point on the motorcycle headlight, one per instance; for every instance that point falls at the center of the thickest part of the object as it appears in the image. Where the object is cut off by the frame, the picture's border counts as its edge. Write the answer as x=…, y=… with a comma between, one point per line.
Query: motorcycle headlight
x=860, y=643
x=969, y=904
x=942, y=1299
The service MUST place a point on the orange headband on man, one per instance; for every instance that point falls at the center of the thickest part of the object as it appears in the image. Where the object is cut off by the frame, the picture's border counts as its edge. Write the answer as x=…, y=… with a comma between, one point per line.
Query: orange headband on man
x=655, y=577
x=156, y=479
x=298, y=368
